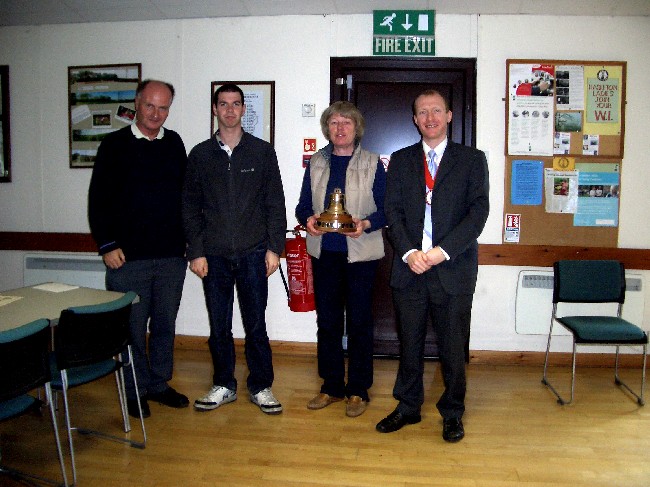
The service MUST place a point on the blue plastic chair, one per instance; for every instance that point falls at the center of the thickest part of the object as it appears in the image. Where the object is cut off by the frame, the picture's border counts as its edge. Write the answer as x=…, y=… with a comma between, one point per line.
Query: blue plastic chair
x=91, y=342
x=594, y=281
x=24, y=366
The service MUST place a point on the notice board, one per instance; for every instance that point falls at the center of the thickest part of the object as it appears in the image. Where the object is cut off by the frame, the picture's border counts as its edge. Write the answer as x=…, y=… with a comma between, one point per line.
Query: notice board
x=565, y=128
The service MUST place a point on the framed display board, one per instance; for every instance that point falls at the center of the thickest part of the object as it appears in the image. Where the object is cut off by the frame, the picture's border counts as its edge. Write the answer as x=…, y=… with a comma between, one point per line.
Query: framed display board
x=565, y=127
x=101, y=100
x=5, y=131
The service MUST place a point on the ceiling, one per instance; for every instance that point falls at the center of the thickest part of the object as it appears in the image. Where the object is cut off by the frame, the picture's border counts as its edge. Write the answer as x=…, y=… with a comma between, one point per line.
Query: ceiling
x=38, y=12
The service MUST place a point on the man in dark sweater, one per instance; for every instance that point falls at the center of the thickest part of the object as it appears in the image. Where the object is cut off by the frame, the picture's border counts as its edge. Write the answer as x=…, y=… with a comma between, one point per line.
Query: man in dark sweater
x=134, y=209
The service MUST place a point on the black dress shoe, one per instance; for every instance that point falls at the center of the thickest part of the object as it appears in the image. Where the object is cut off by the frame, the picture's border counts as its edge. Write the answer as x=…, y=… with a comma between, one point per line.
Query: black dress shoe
x=452, y=430
x=396, y=420
x=132, y=408
x=170, y=397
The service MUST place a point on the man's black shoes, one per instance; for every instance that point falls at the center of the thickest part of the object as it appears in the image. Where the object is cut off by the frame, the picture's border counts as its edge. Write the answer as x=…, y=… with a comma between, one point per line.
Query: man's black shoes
x=132, y=408
x=170, y=397
x=396, y=420
x=452, y=430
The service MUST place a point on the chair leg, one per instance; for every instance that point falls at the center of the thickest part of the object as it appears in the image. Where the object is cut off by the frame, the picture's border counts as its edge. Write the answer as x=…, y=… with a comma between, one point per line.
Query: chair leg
x=548, y=348
x=545, y=380
x=131, y=365
x=639, y=398
x=573, y=373
x=121, y=393
x=55, y=427
x=66, y=410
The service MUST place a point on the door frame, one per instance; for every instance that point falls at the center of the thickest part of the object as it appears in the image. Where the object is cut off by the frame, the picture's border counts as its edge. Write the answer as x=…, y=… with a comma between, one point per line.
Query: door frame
x=459, y=74
x=442, y=69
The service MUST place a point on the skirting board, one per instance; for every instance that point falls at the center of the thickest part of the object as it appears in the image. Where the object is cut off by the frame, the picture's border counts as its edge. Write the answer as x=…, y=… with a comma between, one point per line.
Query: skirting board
x=482, y=357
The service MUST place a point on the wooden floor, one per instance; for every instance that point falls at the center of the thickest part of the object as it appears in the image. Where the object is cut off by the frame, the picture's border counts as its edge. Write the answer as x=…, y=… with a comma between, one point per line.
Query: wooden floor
x=516, y=434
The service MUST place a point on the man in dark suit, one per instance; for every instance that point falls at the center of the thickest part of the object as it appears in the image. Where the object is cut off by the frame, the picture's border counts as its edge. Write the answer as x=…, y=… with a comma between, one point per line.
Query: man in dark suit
x=437, y=202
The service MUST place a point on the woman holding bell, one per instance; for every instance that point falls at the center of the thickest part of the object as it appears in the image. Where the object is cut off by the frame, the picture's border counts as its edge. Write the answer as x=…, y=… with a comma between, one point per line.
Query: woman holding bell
x=344, y=256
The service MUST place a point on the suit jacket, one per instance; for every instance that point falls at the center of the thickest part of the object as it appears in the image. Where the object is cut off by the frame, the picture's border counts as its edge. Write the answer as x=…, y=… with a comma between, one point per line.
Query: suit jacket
x=459, y=209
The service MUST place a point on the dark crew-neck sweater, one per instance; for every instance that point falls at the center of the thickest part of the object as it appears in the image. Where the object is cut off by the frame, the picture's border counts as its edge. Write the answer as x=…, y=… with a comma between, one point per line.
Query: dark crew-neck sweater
x=134, y=200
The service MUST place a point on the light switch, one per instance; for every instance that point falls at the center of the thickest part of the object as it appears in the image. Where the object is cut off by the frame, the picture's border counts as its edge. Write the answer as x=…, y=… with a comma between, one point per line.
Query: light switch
x=308, y=110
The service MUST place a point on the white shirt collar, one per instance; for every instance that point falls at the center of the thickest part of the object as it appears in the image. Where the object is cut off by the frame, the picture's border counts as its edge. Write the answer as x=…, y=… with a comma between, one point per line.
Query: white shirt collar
x=139, y=135
x=440, y=148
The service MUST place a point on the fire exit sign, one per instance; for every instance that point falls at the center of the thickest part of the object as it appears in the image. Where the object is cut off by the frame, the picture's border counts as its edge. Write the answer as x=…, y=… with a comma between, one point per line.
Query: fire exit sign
x=403, y=33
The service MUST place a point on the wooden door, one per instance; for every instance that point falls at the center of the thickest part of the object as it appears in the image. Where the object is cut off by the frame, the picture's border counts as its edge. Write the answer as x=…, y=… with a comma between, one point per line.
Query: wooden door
x=384, y=89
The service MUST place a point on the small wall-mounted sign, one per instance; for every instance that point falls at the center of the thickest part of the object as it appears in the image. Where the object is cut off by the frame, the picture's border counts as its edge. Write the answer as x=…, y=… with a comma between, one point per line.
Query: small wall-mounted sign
x=309, y=145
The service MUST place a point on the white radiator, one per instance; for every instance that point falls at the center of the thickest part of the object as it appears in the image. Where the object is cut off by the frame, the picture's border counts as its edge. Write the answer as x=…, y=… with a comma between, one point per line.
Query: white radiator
x=75, y=269
x=534, y=303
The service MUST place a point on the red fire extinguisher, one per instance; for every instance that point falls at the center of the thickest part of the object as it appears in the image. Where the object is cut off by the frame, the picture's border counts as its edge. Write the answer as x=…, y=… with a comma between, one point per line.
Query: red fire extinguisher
x=300, y=290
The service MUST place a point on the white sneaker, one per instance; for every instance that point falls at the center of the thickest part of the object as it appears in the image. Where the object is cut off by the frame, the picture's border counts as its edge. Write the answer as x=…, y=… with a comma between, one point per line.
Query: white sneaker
x=216, y=396
x=266, y=401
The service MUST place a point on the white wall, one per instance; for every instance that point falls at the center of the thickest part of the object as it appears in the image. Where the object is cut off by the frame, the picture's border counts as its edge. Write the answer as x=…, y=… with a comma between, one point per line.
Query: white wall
x=294, y=51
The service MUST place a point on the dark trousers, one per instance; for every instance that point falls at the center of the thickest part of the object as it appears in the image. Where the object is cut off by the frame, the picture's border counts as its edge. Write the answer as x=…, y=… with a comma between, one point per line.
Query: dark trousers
x=451, y=315
x=248, y=275
x=159, y=285
x=343, y=291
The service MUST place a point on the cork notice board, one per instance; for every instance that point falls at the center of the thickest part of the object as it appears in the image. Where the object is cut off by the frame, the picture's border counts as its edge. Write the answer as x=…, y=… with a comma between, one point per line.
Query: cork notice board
x=565, y=127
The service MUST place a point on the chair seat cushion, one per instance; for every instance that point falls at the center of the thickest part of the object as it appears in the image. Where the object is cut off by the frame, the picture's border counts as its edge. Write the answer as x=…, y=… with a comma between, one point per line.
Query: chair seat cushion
x=82, y=375
x=17, y=405
x=603, y=329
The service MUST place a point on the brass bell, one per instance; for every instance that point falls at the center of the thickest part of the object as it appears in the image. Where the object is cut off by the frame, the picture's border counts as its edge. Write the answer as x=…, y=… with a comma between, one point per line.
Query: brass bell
x=336, y=218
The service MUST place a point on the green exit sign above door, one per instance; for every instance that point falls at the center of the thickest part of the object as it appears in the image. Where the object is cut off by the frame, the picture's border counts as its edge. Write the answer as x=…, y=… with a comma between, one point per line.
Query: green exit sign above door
x=403, y=33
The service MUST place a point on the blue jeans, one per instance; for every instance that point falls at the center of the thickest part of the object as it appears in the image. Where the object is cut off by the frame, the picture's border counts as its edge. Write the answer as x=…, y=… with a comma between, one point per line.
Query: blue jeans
x=248, y=274
x=159, y=285
x=343, y=291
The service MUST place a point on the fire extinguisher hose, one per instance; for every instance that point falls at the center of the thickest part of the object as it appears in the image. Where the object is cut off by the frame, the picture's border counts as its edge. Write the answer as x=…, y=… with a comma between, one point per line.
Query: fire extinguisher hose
x=284, y=279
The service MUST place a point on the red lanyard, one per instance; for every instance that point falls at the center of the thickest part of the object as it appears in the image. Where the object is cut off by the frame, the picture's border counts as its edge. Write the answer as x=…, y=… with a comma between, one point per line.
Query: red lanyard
x=428, y=179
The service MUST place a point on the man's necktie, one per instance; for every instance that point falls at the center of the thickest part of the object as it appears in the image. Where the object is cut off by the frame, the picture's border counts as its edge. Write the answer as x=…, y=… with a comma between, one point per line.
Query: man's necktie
x=432, y=163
